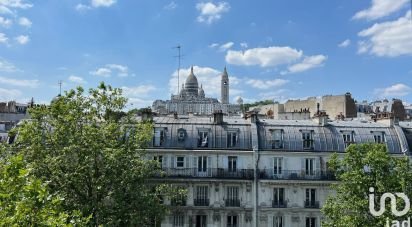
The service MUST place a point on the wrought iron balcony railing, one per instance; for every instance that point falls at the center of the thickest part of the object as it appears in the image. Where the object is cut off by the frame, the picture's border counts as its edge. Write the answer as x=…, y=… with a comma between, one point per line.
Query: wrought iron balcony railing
x=245, y=174
x=279, y=204
x=312, y=204
x=201, y=202
x=232, y=202
x=296, y=175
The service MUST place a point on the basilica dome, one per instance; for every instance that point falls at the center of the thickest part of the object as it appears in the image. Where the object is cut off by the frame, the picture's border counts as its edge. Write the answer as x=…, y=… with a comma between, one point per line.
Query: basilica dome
x=191, y=84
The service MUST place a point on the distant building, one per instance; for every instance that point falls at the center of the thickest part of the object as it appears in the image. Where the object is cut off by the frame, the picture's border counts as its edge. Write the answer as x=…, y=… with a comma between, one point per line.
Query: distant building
x=11, y=113
x=192, y=99
x=335, y=106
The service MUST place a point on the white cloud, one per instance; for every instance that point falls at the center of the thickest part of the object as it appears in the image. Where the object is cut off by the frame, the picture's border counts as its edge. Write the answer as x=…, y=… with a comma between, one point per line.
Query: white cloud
x=226, y=46
x=279, y=95
x=25, y=22
x=391, y=38
x=5, y=10
x=102, y=3
x=104, y=72
x=77, y=79
x=109, y=69
x=82, y=7
x=171, y=6
x=3, y=38
x=345, y=43
x=138, y=91
x=95, y=4
x=264, y=57
x=208, y=77
x=395, y=90
x=19, y=83
x=5, y=22
x=138, y=96
x=22, y=39
x=6, y=66
x=307, y=63
x=15, y=4
x=381, y=8
x=210, y=12
x=266, y=84
x=213, y=45
x=222, y=47
x=9, y=94
x=243, y=45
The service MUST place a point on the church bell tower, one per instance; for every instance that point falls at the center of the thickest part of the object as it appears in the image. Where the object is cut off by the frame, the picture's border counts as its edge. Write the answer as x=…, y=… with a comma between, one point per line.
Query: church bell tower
x=225, y=87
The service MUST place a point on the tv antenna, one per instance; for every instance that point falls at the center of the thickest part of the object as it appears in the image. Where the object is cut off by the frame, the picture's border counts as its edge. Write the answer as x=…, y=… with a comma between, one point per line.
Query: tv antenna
x=60, y=87
x=179, y=57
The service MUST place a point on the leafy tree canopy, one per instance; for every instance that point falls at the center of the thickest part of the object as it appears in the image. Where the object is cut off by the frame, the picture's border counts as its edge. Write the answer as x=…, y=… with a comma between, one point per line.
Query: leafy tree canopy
x=364, y=166
x=92, y=155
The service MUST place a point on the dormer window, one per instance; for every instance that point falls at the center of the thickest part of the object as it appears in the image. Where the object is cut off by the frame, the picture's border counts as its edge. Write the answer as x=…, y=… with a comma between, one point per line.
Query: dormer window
x=277, y=139
x=348, y=138
x=232, y=139
x=159, y=137
x=181, y=135
x=307, y=139
x=379, y=137
x=203, y=139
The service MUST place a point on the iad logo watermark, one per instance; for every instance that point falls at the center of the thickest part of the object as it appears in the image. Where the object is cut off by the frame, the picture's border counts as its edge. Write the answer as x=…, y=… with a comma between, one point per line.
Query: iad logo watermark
x=382, y=202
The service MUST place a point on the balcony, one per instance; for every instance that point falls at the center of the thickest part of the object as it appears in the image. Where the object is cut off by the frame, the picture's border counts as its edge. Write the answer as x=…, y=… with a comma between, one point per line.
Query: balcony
x=232, y=203
x=220, y=173
x=268, y=174
x=201, y=202
x=312, y=204
x=178, y=202
x=279, y=204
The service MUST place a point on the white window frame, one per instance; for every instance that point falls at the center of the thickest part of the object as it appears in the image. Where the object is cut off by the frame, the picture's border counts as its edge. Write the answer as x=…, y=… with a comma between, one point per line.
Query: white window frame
x=278, y=221
x=178, y=220
x=232, y=163
x=307, y=140
x=180, y=161
x=277, y=166
x=348, y=138
x=277, y=139
x=310, y=166
x=232, y=139
x=379, y=137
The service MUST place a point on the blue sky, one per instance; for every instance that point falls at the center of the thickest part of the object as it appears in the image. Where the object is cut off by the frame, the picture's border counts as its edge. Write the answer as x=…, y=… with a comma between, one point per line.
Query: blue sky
x=272, y=49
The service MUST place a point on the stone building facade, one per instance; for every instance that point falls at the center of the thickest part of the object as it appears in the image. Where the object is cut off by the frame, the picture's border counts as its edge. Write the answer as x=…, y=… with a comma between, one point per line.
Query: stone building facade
x=257, y=172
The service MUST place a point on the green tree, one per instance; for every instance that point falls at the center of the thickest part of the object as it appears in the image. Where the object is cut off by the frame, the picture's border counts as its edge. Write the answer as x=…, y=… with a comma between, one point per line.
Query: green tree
x=364, y=166
x=26, y=201
x=93, y=156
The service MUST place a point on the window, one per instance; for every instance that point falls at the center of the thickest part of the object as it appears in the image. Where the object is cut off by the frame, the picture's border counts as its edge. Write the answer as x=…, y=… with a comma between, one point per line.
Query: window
x=202, y=164
x=200, y=221
x=180, y=162
x=277, y=221
x=181, y=135
x=159, y=158
x=277, y=166
x=348, y=138
x=201, y=196
x=307, y=137
x=232, y=139
x=232, y=163
x=180, y=199
x=278, y=197
x=178, y=220
x=277, y=139
x=379, y=137
x=310, y=166
x=232, y=196
x=203, y=140
x=310, y=201
x=310, y=222
x=232, y=221
x=159, y=137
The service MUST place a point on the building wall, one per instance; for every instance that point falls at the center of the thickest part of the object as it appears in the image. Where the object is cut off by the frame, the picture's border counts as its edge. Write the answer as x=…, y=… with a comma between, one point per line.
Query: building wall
x=255, y=175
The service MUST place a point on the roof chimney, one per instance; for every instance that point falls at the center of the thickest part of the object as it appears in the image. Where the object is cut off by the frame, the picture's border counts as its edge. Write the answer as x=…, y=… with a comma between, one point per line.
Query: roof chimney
x=218, y=117
x=147, y=114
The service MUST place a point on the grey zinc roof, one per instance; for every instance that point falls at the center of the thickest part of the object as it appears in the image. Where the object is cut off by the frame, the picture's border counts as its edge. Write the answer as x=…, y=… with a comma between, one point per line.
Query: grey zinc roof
x=330, y=137
x=325, y=138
